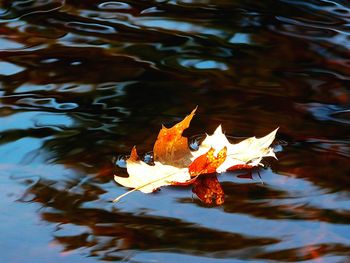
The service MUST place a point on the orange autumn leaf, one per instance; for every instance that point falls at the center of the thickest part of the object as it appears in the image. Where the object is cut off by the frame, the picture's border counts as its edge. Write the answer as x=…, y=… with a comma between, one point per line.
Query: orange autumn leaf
x=134, y=157
x=207, y=163
x=171, y=148
x=208, y=189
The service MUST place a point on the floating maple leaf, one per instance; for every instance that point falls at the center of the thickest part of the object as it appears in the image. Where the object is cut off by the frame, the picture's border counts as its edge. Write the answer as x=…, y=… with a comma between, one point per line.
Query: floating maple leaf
x=171, y=147
x=175, y=164
x=171, y=158
x=247, y=153
x=148, y=178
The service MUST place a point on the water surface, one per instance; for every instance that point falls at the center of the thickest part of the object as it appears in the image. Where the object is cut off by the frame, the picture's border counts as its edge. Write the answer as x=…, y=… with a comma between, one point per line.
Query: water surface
x=81, y=82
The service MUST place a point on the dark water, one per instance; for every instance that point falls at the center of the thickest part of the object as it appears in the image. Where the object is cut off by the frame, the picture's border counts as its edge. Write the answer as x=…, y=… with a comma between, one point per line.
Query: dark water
x=83, y=81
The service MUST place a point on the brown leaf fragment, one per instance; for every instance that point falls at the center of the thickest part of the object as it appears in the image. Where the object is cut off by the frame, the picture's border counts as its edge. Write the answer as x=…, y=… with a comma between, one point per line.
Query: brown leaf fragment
x=240, y=167
x=248, y=175
x=134, y=157
x=170, y=147
x=208, y=189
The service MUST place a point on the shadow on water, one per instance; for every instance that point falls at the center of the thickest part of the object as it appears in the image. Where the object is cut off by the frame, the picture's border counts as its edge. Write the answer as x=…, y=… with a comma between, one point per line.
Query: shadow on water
x=83, y=81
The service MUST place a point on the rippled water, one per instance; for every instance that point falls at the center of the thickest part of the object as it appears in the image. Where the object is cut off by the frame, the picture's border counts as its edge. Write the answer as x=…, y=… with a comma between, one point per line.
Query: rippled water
x=81, y=82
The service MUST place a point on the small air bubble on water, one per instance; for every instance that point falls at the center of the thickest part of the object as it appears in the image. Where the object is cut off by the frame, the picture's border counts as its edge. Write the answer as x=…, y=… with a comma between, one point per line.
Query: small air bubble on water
x=121, y=161
x=148, y=158
x=194, y=145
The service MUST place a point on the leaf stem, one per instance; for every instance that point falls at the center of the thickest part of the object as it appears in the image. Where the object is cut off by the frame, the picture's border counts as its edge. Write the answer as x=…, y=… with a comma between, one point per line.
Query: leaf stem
x=122, y=195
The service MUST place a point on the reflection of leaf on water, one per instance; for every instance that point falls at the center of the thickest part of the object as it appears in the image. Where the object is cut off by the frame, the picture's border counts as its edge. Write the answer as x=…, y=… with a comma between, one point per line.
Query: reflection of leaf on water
x=312, y=252
x=209, y=190
x=109, y=232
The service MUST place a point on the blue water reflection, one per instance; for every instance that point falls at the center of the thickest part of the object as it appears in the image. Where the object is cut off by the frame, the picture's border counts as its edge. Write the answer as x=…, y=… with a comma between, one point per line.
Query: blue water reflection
x=7, y=44
x=203, y=64
x=240, y=38
x=181, y=26
x=31, y=120
x=8, y=69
